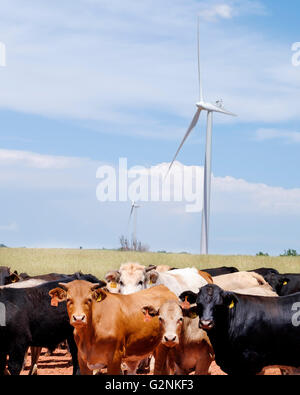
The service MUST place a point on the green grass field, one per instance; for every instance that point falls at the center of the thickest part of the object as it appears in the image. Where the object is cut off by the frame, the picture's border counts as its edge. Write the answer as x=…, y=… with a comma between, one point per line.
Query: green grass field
x=98, y=262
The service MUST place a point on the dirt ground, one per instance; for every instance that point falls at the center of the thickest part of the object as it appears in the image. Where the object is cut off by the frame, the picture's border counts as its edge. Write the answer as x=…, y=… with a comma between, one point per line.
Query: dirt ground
x=60, y=364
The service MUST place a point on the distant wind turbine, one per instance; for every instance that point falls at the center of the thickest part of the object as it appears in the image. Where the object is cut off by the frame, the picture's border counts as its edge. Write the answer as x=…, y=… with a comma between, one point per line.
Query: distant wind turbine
x=210, y=108
x=133, y=212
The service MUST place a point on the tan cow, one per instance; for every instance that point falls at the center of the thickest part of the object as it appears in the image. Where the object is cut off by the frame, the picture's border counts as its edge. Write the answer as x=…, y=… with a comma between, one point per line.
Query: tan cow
x=260, y=290
x=239, y=280
x=183, y=344
x=110, y=328
x=133, y=277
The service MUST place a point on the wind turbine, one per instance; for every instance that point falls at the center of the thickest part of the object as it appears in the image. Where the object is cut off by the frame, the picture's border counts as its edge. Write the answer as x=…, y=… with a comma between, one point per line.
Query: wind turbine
x=133, y=212
x=203, y=105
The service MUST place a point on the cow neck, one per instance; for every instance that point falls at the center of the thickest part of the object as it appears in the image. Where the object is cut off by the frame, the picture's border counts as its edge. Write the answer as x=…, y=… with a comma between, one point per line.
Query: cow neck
x=86, y=333
x=219, y=335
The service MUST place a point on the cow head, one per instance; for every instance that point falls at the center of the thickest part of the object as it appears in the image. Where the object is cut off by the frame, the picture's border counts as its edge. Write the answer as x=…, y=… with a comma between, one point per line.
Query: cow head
x=210, y=302
x=7, y=277
x=130, y=278
x=112, y=279
x=79, y=295
x=277, y=281
x=171, y=315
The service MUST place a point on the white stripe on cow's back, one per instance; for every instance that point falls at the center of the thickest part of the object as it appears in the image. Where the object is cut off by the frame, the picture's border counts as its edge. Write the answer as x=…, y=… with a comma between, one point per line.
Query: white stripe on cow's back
x=180, y=280
x=33, y=282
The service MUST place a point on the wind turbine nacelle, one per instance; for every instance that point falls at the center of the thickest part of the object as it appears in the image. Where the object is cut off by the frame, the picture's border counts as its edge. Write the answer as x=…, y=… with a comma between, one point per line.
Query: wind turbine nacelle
x=213, y=108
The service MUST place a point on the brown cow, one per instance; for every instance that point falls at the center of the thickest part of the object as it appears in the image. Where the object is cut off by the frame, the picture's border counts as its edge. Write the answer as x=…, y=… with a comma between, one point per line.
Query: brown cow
x=110, y=328
x=183, y=344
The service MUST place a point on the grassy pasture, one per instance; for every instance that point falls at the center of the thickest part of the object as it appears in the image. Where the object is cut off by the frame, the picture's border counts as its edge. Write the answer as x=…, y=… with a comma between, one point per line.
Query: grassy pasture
x=98, y=262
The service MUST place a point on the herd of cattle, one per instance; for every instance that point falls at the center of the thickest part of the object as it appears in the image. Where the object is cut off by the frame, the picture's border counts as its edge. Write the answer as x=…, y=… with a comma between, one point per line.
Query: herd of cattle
x=167, y=320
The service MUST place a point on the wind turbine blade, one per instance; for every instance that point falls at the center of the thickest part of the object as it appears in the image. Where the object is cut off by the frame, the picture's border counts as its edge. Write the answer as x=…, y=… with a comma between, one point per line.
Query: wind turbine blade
x=191, y=127
x=226, y=112
x=222, y=110
x=199, y=63
x=131, y=211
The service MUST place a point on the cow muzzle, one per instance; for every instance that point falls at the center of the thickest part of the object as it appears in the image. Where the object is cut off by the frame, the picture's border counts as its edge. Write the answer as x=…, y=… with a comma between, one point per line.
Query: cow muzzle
x=78, y=320
x=206, y=324
x=170, y=340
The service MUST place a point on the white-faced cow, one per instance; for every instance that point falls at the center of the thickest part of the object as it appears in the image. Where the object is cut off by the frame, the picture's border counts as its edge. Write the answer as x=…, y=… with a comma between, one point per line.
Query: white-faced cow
x=183, y=344
x=133, y=277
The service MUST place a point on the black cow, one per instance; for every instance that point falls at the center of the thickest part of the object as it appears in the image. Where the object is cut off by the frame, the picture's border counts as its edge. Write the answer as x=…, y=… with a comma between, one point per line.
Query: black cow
x=58, y=276
x=30, y=320
x=220, y=271
x=247, y=332
x=284, y=284
x=6, y=276
x=264, y=271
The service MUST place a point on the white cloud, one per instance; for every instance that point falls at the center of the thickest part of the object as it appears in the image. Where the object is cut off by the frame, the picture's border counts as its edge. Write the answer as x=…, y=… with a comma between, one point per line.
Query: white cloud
x=58, y=206
x=232, y=195
x=38, y=161
x=129, y=64
x=218, y=10
x=271, y=134
x=239, y=196
x=12, y=227
x=32, y=171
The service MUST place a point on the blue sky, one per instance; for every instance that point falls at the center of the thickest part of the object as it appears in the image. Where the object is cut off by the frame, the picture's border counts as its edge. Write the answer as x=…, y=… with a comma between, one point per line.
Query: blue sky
x=90, y=81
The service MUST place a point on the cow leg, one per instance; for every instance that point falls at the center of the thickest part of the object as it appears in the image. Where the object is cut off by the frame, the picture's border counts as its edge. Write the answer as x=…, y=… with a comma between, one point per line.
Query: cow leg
x=114, y=366
x=16, y=359
x=144, y=366
x=84, y=370
x=204, y=360
x=161, y=357
x=73, y=351
x=35, y=354
x=3, y=358
x=132, y=367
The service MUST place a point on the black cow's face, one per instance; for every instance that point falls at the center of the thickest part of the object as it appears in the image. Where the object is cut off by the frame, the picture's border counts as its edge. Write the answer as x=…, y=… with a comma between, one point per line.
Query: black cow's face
x=277, y=281
x=4, y=274
x=6, y=277
x=210, y=300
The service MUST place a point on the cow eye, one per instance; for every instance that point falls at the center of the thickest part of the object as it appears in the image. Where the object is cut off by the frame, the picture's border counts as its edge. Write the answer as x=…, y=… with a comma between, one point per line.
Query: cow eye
x=180, y=320
x=140, y=283
x=121, y=283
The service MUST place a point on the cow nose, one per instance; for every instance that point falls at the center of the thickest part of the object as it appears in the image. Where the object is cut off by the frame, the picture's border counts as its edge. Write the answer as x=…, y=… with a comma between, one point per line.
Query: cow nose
x=168, y=339
x=78, y=318
x=206, y=324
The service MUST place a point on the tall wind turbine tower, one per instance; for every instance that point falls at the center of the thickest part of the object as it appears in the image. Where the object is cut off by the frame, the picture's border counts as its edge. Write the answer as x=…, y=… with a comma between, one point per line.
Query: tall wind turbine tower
x=133, y=212
x=210, y=108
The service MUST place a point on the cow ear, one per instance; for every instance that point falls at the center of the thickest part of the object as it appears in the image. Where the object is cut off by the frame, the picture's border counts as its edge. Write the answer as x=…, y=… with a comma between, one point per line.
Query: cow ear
x=149, y=312
x=285, y=281
x=100, y=284
x=152, y=277
x=190, y=313
x=150, y=267
x=99, y=295
x=230, y=299
x=188, y=296
x=14, y=278
x=57, y=295
x=113, y=276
